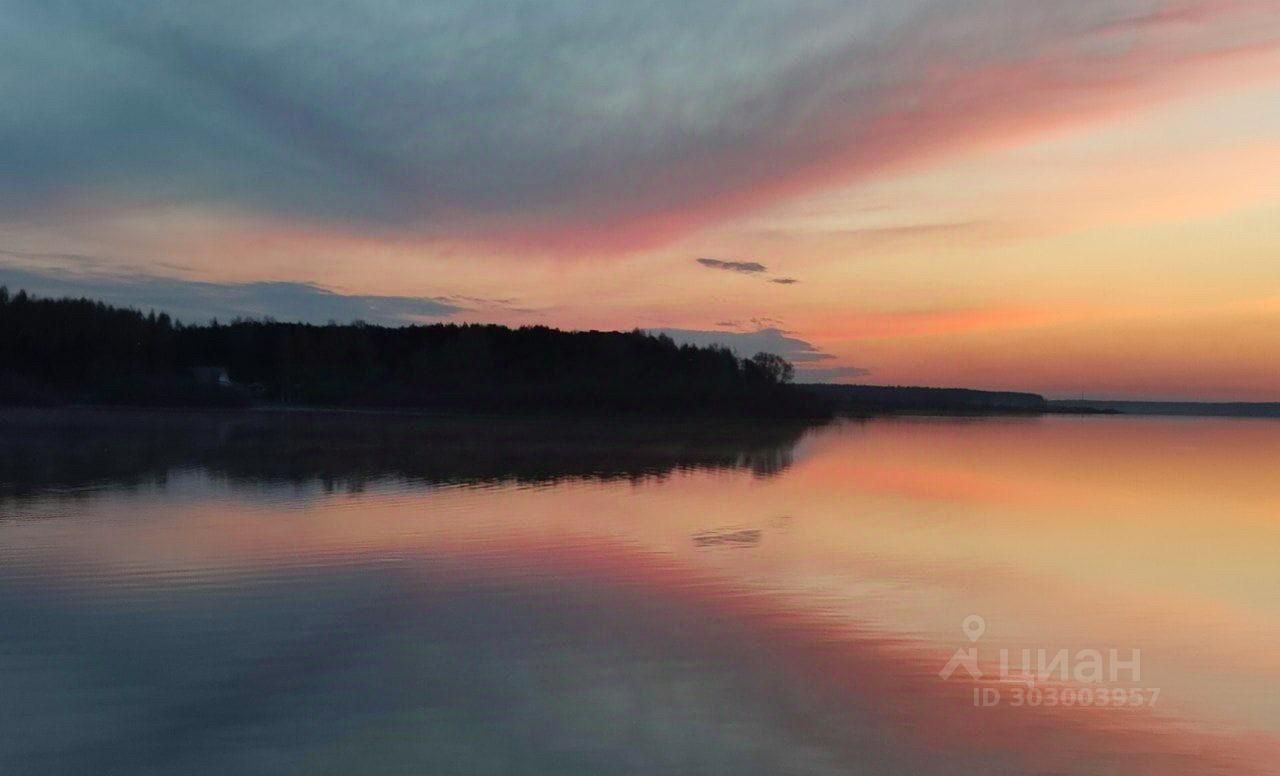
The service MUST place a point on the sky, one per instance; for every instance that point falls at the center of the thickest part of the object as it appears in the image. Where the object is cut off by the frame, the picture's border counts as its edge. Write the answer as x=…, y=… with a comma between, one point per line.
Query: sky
x=1074, y=198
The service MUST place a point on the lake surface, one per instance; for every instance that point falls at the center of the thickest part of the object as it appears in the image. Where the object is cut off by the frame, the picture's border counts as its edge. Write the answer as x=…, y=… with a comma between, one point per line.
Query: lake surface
x=300, y=593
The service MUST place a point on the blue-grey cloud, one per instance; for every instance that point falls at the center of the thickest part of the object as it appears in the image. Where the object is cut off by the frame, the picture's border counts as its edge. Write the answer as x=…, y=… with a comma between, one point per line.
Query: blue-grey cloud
x=835, y=374
x=749, y=267
x=451, y=115
x=748, y=343
x=197, y=302
x=746, y=268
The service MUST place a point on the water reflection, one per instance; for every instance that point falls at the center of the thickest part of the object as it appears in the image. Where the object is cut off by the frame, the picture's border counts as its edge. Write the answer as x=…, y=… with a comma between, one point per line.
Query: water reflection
x=688, y=617
x=72, y=452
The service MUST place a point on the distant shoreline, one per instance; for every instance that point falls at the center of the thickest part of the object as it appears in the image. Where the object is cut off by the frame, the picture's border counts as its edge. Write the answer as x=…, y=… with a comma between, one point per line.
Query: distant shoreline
x=877, y=400
x=1168, y=408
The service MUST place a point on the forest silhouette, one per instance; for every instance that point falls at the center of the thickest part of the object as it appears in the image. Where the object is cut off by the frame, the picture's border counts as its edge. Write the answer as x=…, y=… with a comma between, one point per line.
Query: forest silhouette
x=82, y=351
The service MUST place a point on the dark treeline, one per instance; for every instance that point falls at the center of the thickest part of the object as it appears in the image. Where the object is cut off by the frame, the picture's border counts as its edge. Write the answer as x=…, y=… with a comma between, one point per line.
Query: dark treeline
x=78, y=350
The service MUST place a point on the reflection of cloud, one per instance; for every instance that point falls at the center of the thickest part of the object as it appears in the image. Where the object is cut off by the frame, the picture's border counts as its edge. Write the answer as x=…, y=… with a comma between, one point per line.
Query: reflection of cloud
x=195, y=301
x=726, y=671
x=748, y=343
x=728, y=537
x=833, y=374
x=733, y=266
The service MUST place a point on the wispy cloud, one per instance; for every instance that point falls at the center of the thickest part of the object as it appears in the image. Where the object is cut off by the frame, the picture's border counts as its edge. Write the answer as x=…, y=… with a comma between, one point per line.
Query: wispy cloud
x=752, y=324
x=809, y=358
x=748, y=343
x=197, y=302
x=895, y=324
x=734, y=266
x=746, y=268
x=835, y=374
x=450, y=119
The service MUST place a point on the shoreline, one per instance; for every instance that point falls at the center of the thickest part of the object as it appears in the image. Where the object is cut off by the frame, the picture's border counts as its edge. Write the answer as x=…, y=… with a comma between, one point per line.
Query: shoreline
x=1089, y=408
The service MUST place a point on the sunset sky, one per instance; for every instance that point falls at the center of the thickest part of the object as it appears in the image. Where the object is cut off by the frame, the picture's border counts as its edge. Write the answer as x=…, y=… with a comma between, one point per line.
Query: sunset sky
x=1070, y=197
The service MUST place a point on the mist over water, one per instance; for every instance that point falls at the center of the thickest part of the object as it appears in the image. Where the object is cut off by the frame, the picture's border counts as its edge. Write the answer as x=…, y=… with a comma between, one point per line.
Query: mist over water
x=302, y=593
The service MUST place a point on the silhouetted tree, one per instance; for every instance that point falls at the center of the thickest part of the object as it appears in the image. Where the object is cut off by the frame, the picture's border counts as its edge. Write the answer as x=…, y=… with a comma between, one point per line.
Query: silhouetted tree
x=774, y=367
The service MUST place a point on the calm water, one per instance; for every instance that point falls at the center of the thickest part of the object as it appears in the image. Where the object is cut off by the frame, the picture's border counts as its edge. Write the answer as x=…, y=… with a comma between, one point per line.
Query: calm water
x=362, y=594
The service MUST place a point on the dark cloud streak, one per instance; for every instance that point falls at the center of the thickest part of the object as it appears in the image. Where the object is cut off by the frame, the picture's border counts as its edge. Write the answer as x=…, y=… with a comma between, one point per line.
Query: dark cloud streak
x=748, y=267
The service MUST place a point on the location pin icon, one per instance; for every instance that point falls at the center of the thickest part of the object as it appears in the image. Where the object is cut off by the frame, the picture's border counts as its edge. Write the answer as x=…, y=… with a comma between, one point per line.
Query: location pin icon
x=974, y=626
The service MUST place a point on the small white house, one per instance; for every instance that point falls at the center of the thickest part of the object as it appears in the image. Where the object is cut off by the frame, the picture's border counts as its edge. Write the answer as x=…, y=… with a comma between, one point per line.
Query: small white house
x=211, y=375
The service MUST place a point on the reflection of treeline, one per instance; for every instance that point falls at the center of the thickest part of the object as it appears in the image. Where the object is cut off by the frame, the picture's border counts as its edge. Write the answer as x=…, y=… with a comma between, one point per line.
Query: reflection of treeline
x=75, y=451
x=856, y=399
x=80, y=350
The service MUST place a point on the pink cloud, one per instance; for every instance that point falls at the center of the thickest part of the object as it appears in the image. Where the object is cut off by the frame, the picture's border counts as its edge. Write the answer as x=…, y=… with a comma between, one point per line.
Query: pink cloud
x=949, y=107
